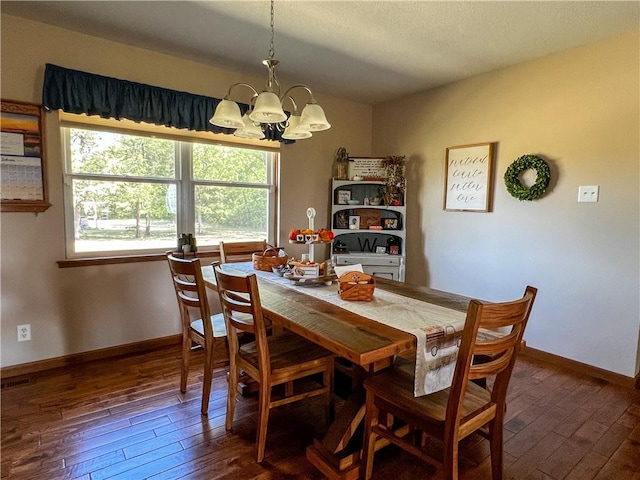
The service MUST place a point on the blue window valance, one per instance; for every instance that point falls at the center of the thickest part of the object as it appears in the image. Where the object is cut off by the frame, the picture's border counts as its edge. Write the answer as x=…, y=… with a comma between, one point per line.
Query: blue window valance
x=78, y=92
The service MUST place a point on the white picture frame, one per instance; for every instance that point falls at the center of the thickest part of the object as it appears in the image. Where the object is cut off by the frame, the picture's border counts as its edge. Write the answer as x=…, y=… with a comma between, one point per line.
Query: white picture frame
x=354, y=222
x=344, y=196
x=468, y=178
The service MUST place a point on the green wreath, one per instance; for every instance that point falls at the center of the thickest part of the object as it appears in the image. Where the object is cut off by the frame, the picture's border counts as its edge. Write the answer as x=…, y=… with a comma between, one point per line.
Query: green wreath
x=512, y=177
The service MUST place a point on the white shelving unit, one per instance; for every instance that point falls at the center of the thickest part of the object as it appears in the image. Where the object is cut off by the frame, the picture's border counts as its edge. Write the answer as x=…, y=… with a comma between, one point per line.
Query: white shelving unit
x=362, y=243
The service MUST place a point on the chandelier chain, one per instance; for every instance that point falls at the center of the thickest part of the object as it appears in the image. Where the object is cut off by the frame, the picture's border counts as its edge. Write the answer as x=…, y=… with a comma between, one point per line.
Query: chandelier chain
x=271, y=46
x=265, y=111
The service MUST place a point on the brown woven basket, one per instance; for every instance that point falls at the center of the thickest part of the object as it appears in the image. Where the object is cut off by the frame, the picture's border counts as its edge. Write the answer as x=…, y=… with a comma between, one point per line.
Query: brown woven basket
x=351, y=286
x=268, y=259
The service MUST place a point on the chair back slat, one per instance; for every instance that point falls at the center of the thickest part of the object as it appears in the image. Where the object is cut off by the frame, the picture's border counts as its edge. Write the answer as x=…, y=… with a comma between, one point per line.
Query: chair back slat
x=193, y=302
x=496, y=345
x=491, y=367
x=184, y=283
x=501, y=314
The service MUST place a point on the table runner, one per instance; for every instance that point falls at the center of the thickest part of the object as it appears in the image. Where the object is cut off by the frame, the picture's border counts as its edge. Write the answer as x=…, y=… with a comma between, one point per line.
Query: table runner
x=437, y=329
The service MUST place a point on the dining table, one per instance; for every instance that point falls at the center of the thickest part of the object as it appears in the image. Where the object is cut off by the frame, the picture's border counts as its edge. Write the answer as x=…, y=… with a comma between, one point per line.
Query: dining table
x=420, y=324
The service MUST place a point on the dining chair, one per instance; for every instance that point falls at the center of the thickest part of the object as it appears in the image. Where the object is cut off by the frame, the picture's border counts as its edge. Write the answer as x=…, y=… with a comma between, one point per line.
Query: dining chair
x=206, y=330
x=271, y=360
x=394, y=415
x=240, y=251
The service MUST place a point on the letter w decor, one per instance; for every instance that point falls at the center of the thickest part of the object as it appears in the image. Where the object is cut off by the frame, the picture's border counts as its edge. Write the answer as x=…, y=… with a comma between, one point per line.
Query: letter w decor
x=469, y=178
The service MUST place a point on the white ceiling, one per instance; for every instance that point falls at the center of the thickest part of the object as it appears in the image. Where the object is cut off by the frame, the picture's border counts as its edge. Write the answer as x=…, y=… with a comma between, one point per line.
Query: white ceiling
x=362, y=50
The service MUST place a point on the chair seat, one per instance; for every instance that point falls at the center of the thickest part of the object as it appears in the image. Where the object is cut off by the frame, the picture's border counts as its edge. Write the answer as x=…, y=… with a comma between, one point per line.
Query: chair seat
x=217, y=321
x=286, y=351
x=396, y=386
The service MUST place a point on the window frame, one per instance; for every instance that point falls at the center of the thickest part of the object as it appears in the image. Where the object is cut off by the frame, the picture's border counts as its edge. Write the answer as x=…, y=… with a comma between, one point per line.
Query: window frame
x=183, y=179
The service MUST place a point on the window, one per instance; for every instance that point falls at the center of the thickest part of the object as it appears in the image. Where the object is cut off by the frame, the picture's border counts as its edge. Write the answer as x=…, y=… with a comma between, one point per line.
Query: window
x=132, y=192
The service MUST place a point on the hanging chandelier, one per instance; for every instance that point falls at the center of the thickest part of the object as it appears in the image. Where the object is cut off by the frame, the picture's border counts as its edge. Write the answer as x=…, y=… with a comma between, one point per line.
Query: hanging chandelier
x=265, y=108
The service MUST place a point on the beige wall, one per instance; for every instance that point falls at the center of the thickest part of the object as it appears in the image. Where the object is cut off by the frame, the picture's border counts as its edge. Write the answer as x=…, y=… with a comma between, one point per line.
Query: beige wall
x=578, y=109
x=86, y=308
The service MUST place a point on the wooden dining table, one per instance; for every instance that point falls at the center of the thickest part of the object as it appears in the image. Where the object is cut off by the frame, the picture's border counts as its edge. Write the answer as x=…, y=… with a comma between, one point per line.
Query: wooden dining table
x=368, y=345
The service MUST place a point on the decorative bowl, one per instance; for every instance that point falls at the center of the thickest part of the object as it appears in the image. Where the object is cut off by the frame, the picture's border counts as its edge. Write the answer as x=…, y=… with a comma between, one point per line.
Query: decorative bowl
x=353, y=202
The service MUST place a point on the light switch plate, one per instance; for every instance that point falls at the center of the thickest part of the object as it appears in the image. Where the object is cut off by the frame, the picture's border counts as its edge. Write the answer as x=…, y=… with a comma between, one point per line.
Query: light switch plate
x=588, y=193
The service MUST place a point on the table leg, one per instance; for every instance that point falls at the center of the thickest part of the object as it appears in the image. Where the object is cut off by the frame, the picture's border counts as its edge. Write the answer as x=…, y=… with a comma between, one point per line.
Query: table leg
x=338, y=454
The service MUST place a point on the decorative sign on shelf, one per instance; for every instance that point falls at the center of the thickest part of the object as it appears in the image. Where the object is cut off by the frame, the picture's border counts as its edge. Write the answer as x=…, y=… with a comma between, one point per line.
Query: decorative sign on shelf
x=368, y=218
x=344, y=196
x=468, y=178
x=368, y=168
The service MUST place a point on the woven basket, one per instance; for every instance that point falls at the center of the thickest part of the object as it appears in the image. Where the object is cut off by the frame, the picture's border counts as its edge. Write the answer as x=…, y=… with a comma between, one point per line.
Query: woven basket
x=356, y=286
x=268, y=259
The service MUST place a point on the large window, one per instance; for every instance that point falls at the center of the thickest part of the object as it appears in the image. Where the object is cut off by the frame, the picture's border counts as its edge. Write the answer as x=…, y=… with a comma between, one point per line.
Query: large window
x=127, y=192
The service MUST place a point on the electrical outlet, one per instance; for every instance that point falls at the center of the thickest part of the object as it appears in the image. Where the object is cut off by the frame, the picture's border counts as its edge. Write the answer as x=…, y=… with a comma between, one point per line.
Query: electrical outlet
x=24, y=332
x=588, y=193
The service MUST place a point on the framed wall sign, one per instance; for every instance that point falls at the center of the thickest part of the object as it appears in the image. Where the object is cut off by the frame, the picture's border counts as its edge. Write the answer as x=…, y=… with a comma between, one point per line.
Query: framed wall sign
x=468, y=178
x=367, y=168
x=23, y=186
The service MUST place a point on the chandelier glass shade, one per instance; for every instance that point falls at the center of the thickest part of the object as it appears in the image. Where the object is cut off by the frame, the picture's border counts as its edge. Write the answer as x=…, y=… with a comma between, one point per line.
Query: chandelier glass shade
x=228, y=115
x=249, y=129
x=294, y=131
x=313, y=118
x=266, y=108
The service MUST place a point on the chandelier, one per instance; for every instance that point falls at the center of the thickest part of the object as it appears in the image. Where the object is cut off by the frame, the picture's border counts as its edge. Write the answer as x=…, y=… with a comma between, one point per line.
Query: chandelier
x=265, y=109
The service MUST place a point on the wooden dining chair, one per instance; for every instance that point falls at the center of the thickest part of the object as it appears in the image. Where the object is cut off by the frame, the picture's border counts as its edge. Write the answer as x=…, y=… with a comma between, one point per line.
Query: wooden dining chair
x=206, y=330
x=271, y=360
x=240, y=251
x=394, y=415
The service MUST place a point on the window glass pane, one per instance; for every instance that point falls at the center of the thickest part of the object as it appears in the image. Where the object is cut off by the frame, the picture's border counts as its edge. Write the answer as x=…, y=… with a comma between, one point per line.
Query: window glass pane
x=123, y=216
x=132, y=192
x=230, y=214
x=109, y=153
x=229, y=164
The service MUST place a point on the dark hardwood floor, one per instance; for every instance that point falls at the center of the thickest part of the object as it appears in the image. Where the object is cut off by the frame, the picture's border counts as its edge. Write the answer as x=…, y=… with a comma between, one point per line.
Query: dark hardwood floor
x=125, y=418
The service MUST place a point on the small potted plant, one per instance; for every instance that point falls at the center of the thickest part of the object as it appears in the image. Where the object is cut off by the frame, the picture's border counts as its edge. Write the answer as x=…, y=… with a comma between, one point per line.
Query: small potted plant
x=396, y=184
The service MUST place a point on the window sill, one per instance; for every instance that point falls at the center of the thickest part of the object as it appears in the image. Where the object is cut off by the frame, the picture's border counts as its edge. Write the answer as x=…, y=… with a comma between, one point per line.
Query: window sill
x=151, y=257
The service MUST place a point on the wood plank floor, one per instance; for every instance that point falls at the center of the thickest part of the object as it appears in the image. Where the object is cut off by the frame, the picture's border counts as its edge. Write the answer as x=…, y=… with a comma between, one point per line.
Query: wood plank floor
x=125, y=418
